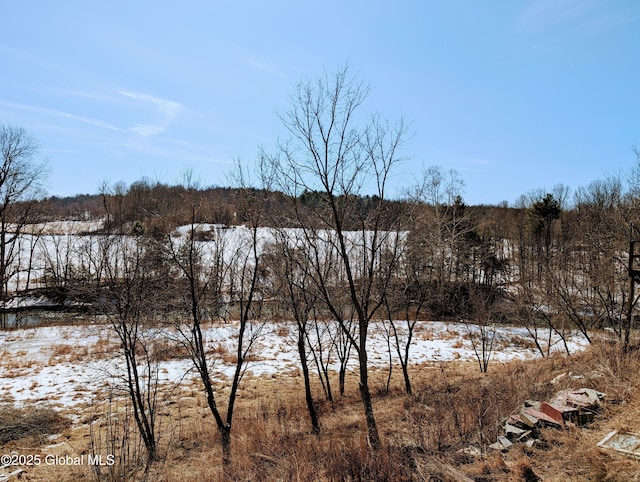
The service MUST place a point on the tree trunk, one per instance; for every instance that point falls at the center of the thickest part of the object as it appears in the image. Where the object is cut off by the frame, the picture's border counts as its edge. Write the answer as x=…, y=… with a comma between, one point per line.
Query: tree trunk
x=225, y=442
x=315, y=426
x=407, y=380
x=365, y=395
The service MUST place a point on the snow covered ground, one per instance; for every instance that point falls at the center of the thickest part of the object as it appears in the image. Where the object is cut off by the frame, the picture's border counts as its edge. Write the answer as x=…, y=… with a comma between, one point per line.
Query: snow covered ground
x=69, y=366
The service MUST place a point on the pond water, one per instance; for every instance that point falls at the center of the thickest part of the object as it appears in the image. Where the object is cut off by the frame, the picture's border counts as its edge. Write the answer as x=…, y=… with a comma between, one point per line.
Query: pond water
x=23, y=319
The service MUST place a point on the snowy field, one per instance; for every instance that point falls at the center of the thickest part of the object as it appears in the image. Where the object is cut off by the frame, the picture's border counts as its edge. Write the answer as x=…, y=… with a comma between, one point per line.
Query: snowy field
x=70, y=366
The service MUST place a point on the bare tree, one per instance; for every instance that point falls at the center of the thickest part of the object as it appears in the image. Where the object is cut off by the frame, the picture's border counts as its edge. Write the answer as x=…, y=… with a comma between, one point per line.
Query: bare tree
x=341, y=344
x=400, y=332
x=57, y=252
x=321, y=345
x=330, y=154
x=113, y=202
x=21, y=178
x=444, y=223
x=220, y=281
x=409, y=290
x=590, y=286
x=133, y=295
x=536, y=321
x=482, y=334
x=440, y=228
x=291, y=280
x=26, y=262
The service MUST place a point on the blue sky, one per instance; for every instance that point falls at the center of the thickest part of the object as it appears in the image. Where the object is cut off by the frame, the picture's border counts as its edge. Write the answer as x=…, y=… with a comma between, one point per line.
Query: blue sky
x=514, y=95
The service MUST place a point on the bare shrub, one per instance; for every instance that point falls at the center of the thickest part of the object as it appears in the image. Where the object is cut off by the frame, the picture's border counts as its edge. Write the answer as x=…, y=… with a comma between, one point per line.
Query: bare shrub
x=164, y=349
x=116, y=441
x=16, y=424
x=354, y=462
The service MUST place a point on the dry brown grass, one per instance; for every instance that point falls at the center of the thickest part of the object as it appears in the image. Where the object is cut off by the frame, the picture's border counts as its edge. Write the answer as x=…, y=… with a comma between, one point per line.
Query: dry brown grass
x=164, y=349
x=36, y=423
x=424, y=434
x=104, y=346
x=68, y=353
x=15, y=365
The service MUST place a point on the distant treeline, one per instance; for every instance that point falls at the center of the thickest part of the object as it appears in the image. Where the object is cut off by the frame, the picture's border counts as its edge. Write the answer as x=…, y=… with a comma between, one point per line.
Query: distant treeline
x=158, y=207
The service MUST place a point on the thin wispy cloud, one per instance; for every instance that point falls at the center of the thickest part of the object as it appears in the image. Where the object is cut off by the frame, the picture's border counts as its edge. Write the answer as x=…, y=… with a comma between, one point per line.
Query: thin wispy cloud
x=208, y=160
x=163, y=148
x=558, y=23
x=89, y=121
x=552, y=80
x=166, y=111
x=267, y=68
x=477, y=162
x=474, y=165
x=146, y=130
x=573, y=16
x=29, y=57
x=64, y=151
x=257, y=63
x=168, y=107
x=137, y=137
x=59, y=113
x=98, y=96
x=539, y=14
